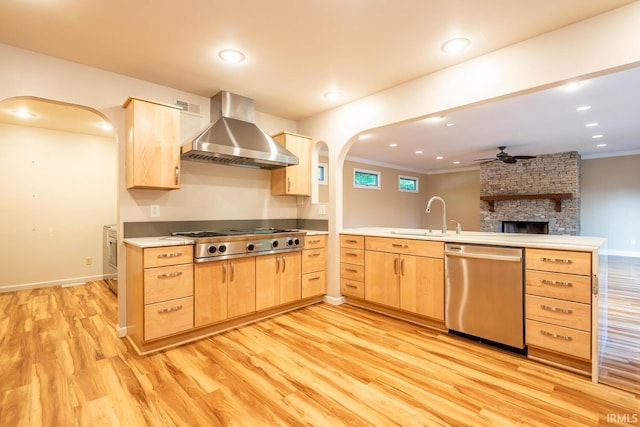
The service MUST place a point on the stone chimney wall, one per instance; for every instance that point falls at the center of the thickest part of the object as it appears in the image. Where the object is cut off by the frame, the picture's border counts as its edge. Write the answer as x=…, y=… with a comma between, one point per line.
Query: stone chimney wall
x=548, y=173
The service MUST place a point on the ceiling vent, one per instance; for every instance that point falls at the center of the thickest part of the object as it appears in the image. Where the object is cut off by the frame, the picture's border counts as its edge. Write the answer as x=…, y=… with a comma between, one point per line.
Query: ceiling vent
x=188, y=107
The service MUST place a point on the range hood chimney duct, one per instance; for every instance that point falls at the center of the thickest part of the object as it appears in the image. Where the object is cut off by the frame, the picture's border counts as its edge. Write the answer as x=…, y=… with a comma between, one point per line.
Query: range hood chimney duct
x=233, y=139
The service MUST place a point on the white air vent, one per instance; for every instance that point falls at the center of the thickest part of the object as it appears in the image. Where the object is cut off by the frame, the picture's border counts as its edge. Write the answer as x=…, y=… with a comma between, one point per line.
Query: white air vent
x=188, y=107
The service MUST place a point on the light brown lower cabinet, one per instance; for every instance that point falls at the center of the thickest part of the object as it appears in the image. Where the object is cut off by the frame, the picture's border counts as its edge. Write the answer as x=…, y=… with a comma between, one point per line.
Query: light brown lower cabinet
x=278, y=279
x=224, y=290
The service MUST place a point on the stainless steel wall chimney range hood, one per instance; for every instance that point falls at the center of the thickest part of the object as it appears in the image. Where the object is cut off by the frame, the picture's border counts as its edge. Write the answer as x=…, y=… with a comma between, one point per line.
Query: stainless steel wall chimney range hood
x=232, y=138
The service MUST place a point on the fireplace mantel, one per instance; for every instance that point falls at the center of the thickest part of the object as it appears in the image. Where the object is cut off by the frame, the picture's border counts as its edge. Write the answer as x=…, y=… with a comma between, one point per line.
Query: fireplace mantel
x=556, y=197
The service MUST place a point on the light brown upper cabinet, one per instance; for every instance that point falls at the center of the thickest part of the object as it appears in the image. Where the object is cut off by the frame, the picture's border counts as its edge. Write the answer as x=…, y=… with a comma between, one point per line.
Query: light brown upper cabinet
x=152, y=144
x=293, y=180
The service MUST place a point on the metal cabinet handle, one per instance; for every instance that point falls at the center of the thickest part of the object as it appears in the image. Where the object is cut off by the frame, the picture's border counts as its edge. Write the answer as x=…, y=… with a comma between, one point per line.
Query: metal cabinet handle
x=170, y=255
x=166, y=275
x=395, y=266
x=557, y=260
x=284, y=263
x=351, y=270
x=170, y=309
x=314, y=255
x=351, y=241
x=313, y=278
x=348, y=285
x=311, y=242
x=554, y=335
x=277, y=264
x=288, y=184
x=399, y=245
x=350, y=254
x=555, y=309
x=177, y=175
x=402, y=267
x=557, y=283
x=224, y=272
x=233, y=270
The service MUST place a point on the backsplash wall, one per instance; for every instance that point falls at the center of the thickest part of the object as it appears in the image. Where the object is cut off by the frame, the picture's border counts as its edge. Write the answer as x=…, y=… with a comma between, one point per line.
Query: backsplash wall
x=548, y=173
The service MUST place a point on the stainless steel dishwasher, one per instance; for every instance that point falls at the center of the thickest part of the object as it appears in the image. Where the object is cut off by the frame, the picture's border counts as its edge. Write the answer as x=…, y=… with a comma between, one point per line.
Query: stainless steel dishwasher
x=485, y=293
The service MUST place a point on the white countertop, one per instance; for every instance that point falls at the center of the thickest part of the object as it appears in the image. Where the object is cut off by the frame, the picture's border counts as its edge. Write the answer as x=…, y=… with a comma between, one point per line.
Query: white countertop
x=478, y=237
x=152, y=242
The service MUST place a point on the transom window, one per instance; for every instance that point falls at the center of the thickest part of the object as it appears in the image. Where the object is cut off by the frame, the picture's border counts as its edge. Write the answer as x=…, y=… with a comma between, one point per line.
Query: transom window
x=408, y=184
x=366, y=179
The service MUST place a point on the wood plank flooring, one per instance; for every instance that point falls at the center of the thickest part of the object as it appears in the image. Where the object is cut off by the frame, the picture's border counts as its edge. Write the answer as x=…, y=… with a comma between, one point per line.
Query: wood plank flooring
x=621, y=360
x=61, y=364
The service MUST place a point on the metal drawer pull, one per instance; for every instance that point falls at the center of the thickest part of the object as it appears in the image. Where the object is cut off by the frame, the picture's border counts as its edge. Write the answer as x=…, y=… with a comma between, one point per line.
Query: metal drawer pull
x=556, y=309
x=351, y=241
x=399, y=245
x=559, y=260
x=351, y=270
x=556, y=282
x=170, y=255
x=395, y=266
x=170, y=309
x=553, y=335
x=311, y=242
x=350, y=254
x=314, y=255
x=347, y=285
x=314, y=278
x=166, y=275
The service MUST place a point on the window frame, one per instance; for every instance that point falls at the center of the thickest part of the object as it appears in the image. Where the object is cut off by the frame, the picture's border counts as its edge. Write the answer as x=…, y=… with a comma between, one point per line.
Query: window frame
x=410, y=178
x=368, y=172
x=325, y=167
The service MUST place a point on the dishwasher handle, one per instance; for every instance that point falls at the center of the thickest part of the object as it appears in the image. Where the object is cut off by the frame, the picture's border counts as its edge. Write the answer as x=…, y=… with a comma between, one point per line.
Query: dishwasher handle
x=481, y=255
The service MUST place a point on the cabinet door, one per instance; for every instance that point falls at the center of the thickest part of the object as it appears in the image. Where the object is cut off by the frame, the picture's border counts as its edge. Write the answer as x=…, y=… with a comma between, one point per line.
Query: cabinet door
x=152, y=145
x=267, y=281
x=422, y=286
x=290, y=277
x=210, y=292
x=293, y=180
x=241, y=286
x=381, y=278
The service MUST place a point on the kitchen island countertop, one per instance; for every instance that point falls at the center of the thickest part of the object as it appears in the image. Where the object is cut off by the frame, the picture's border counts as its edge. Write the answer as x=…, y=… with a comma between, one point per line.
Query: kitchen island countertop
x=545, y=241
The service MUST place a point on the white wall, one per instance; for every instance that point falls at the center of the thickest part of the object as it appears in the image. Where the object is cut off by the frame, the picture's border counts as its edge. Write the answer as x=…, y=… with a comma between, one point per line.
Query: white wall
x=59, y=190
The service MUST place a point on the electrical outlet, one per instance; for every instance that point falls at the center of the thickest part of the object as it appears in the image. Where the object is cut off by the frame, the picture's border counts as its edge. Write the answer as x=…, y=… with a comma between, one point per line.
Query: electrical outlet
x=88, y=261
x=155, y=211
x=322, y=209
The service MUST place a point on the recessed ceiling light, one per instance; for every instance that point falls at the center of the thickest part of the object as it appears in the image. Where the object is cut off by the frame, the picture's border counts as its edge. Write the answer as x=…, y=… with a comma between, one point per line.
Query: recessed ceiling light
x=439, y=158
x=364, y=136
x=583, y=108
x=455, y=45
x=105, y=126
x=572, y=86
x=591, y=125
x=333, y=95
x=601, y=145
x=231, y=56
x=23, y=114
x=450, y=124
x=393, y=144
x=434, y=119
x=457, y=162
x=597, y=136
x=419, y=152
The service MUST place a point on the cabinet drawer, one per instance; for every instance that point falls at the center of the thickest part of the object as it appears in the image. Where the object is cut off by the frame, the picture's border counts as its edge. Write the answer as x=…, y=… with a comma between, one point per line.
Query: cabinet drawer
x=314, y=260
x=559, y=261
x=351, y=241
x=352, y=256
x=165, y=283
x=169, y=317
x=352, y=288
x=559, y=339
x=168, y=255
x=315, y=241
x=558, y=285
x=559, y=312
x=405, y=246
x=314, y=284
x=352, y=271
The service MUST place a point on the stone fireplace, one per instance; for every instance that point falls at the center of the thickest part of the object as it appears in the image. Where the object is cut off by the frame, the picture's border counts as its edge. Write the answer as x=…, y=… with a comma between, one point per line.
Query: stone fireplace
x=545, y=189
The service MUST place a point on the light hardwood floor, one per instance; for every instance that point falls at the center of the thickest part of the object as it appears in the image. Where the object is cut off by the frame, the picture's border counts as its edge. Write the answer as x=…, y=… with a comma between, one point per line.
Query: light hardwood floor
x=621, y=359
x=61, y=364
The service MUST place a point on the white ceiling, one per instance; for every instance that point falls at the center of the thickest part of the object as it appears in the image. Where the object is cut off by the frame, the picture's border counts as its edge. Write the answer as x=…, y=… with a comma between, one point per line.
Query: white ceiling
x=296, y=50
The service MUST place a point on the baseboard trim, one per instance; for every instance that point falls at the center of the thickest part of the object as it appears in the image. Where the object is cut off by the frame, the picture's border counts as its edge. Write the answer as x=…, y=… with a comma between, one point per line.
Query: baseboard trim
x=121, y=331
x=628, y=254
x=76, y=281
x=334, y=300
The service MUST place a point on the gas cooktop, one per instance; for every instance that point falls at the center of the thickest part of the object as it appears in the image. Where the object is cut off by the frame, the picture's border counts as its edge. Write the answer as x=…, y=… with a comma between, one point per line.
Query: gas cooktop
x=204, y=234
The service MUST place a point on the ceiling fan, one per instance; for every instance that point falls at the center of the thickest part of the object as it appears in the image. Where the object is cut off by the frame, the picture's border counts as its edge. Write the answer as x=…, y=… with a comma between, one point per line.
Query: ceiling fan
x=505, y=157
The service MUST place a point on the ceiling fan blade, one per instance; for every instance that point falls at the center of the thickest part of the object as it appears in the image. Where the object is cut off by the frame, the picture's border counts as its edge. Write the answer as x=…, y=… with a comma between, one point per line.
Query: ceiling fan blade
x=485, y=160
x=524, y=157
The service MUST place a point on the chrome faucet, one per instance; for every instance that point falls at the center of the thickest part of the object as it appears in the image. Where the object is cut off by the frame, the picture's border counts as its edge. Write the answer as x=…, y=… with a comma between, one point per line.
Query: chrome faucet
x=444, y=212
